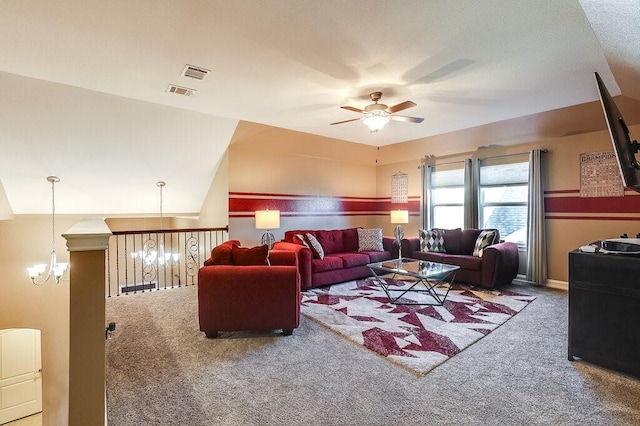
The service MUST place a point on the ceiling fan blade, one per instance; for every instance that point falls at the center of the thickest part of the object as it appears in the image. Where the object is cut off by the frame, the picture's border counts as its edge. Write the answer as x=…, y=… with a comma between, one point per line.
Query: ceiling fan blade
x=350, y=108
x=345, y=121
x=407, y=119
x=401, y=106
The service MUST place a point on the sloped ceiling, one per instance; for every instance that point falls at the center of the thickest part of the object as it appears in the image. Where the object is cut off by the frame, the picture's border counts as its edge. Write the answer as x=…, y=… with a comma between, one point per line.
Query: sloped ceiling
x=83, y=82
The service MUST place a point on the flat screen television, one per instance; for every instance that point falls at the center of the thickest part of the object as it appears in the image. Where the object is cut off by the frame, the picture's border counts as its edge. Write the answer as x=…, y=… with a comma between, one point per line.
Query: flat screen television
x=624, y=147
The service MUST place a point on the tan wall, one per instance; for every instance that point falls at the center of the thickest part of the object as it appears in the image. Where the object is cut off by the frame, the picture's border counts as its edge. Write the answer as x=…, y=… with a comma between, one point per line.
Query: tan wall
x=26, y=241
x=562, y=173
x=215, y=208
x=268, y=160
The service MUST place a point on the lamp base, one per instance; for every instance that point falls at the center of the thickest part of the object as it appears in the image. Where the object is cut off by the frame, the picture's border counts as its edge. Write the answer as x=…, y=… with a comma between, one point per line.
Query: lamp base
x=398, y=232
x=268, y=238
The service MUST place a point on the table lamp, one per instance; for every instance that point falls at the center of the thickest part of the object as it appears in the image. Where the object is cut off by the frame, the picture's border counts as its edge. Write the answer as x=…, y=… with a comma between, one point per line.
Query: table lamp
x=268, y=220
x=399, y=217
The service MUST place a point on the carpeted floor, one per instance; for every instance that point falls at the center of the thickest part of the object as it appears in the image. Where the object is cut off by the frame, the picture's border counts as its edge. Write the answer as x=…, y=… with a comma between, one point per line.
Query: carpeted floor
x=161, y=370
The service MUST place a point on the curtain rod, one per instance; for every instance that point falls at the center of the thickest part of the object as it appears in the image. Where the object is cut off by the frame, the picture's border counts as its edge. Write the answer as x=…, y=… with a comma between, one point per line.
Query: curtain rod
x=544, y=151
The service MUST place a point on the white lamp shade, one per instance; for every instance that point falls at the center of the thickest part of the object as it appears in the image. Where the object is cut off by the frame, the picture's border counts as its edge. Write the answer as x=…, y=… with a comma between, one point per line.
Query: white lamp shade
x=399, y=216
x=267, y=219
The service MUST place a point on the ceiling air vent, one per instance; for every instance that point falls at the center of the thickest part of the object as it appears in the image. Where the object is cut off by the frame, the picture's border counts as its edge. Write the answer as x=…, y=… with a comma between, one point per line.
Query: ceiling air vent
x=195, y=72
x=180, y=90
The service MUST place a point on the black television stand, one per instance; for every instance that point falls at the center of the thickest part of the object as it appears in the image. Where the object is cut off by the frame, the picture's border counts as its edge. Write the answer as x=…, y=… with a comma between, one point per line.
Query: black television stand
x=604, y=310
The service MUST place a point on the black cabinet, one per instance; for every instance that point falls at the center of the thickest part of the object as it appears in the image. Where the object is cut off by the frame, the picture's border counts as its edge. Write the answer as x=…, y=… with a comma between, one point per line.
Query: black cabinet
x=604, y=310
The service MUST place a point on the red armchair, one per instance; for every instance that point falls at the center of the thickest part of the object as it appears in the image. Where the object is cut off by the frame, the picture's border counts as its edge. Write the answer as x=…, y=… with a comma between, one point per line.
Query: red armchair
x=250, y=298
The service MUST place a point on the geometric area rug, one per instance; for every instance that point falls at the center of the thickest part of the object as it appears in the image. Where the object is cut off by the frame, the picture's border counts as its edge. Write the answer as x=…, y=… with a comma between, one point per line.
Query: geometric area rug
x=418, y=338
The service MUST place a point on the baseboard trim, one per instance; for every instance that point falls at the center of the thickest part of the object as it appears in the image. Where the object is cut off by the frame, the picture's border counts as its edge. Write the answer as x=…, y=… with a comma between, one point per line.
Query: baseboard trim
x=553, y=284
x=558, y=285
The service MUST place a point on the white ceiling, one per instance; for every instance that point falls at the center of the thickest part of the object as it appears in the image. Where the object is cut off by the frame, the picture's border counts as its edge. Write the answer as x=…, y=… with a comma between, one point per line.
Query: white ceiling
x=83, y=82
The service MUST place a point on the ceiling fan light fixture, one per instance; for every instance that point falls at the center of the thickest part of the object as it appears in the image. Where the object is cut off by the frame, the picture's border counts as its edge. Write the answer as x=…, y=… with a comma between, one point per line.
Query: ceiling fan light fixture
x=376, y=120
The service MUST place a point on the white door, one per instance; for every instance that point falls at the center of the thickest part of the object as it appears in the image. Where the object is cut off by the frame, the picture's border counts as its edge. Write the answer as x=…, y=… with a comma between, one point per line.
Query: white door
x=20, y=378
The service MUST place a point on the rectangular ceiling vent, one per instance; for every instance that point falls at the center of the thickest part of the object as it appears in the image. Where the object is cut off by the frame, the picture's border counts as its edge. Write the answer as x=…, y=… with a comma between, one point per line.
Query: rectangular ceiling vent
x=195, y=72
x=180, y=90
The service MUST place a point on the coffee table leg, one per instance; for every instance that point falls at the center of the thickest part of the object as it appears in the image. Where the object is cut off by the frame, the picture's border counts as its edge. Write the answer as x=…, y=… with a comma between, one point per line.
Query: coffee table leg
x=429, y=286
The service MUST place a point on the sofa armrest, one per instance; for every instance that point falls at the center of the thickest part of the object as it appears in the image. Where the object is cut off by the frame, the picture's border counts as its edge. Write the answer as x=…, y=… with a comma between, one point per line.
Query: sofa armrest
x=409, y=245
x=499, y=264
x=390, y=244
x=304, y=260
x=283, y=258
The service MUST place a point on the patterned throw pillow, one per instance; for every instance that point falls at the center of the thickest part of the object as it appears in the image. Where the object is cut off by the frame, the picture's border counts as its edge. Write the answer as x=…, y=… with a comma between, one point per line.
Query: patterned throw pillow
x=316, y=247
x=432, y=240
x=484, y=240
x=370, y=239
x=302, y=240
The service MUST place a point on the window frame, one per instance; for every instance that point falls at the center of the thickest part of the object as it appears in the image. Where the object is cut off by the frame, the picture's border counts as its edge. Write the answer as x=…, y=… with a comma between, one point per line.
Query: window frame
x=433, y=204
x=522, y=245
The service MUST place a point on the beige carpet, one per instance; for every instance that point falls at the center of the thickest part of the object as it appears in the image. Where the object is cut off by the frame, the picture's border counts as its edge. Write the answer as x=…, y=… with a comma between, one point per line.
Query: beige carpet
x=161, y=370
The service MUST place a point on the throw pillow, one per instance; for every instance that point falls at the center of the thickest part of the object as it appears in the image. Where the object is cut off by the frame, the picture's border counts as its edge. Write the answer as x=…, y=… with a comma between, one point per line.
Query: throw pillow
x=484, y=240
x=243, y=256
x=221, y=255
x=299, y=239
x=370, y=239
x=432, y=240
x=316, y=247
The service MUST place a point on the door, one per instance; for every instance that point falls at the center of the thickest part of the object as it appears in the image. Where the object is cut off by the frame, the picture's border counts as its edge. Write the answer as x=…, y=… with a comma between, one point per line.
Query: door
x=20, y=378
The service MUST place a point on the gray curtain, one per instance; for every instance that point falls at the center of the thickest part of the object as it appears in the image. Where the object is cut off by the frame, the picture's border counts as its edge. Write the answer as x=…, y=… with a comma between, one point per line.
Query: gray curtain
x=471, y=185
x=536, y=233
x=425, y=199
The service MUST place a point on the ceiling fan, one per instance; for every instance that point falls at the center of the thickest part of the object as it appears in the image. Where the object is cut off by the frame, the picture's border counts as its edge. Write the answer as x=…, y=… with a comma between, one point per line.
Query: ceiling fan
x=376, y=115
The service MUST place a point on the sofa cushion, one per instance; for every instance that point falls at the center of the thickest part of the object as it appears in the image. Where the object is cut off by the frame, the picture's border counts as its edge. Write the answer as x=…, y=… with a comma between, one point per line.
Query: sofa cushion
x=316, y=247
x=349, y=260
x=468, y=241
x=370, y=239
x=432, y=240
x=452, y=241
x=331, y=241
x=430, y=256
x=221, y=255
x=244, y=256
x=329, y=263
x=464, y=261
x=485, y=239
x=350, y=239
x=377, y=256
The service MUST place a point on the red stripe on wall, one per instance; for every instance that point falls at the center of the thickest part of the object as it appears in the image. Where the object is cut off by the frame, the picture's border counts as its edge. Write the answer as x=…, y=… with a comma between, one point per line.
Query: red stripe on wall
x=594, y=218
x=305, y=205
x=563, y=191
x=627, y=204
x=265, y=194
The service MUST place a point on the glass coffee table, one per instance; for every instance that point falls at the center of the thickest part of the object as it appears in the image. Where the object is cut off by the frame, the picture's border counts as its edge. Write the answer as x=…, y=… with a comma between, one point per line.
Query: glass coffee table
x=419, y=276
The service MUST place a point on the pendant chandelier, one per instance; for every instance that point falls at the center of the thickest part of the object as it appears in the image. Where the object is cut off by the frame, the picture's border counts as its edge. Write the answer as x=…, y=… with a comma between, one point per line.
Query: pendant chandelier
x=56, y=269
x=153, y=251
x=162, y=255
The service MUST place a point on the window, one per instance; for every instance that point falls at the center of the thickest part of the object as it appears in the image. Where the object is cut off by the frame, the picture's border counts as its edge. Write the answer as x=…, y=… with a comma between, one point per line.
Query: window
x=503, y=197
x=447, y=196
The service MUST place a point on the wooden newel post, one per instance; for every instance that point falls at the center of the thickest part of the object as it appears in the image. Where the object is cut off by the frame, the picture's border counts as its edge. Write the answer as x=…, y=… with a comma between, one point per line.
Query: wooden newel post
x=87, y=242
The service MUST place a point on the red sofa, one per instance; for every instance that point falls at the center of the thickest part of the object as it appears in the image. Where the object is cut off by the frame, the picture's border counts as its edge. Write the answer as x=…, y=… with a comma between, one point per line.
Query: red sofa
x=250, y=298
x=497, y=266
x=342, y=261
